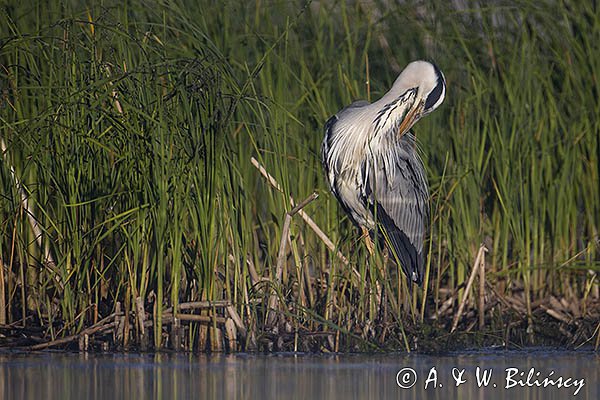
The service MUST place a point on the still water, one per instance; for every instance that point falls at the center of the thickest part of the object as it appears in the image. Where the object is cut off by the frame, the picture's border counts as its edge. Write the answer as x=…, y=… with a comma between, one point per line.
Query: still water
x=510, y=375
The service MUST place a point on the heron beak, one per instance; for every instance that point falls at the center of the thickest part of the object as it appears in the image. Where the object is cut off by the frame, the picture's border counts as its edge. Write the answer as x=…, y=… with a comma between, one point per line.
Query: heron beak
x=410, y=119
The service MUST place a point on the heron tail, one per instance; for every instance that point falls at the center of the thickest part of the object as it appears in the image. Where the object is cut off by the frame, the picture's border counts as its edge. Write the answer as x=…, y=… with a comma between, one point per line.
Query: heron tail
x=403, y=252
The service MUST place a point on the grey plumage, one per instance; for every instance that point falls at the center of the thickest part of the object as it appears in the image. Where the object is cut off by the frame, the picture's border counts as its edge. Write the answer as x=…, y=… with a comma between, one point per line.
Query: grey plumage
x=374, y=170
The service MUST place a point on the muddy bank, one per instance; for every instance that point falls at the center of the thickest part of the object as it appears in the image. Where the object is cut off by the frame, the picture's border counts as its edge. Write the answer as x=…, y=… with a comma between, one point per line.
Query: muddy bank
x=216, y=327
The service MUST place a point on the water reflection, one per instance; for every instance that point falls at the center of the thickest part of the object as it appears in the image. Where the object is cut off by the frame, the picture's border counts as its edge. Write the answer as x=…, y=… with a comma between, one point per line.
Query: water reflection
x=51, y=376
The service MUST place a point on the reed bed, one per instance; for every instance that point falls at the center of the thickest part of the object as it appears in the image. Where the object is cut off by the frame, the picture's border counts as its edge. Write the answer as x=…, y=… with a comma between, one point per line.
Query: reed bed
x=156, y=157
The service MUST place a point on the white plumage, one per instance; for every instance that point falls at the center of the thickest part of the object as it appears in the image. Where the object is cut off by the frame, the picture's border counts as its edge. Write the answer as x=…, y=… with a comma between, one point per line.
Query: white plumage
x=372, y=165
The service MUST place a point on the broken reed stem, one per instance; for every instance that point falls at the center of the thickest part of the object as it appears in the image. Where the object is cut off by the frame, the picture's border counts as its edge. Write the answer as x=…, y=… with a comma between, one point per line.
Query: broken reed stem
x=115, y=321
x=197, y=318
x=309, y=221
x=476, y=267
x=231, y=334
x=449, y=301
x=193, y=305
x=101, y=326
x=140, y=316
x=556, y=315
x=241, y=328
x=285, y=235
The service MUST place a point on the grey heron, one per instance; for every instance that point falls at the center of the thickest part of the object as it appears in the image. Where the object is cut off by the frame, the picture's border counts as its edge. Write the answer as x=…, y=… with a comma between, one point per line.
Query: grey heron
x=370, y=157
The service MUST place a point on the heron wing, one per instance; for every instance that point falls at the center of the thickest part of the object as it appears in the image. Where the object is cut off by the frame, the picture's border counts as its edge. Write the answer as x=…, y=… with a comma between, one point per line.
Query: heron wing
x=398, y=198
x=331, y=129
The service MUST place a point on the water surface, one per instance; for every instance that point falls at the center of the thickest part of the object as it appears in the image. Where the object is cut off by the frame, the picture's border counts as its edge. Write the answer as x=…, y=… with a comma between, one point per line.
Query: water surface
x=50, y=375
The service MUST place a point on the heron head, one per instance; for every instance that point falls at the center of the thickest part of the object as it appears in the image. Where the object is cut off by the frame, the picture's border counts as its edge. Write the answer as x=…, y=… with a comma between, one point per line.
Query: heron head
x=430, y=85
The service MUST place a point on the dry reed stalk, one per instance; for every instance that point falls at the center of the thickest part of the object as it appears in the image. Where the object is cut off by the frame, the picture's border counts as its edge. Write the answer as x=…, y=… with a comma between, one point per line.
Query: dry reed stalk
x=35, y=227
x=516, y=304
x=231, y=334
x=476, y=266
x=126, y=318
x=241, y=328
x=444, y=307
x=195, y=305
x=2, y=293
x=449, y=301
x=12, y=253
x=84, y=342
x=140, y=316
x=72, y=338
x=102, y=326
x=202, y=337
x=176, y=333
x=481, y=304
x=556, y=314
x=121, y=330
x=285, y=237
x=254, y=277
x=116, y=321
x=216, y=339
x=301, y=271
x=195, y=318
x=308, y=286
x=324, y=238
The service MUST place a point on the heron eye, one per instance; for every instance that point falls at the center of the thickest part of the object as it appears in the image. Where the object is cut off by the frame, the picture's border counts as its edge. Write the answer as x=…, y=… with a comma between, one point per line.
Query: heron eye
x=435, y=94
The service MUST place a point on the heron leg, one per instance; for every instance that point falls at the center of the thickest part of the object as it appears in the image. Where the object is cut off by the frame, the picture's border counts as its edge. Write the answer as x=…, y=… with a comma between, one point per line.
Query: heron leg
x=368, y=241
